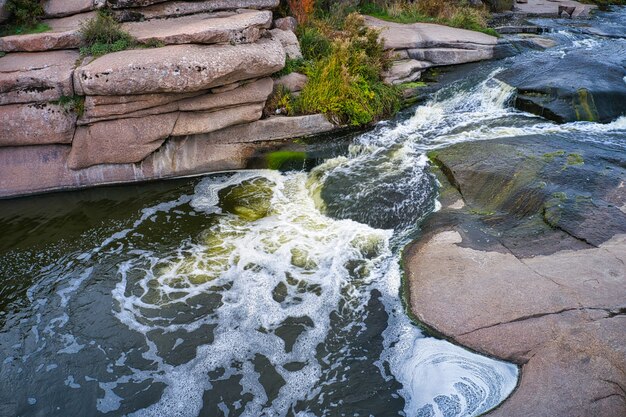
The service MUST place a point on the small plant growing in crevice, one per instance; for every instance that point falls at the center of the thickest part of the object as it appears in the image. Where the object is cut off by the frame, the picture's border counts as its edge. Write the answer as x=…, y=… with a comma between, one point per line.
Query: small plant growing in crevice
x=103, y=34
x=281, y=101
x=72, y=104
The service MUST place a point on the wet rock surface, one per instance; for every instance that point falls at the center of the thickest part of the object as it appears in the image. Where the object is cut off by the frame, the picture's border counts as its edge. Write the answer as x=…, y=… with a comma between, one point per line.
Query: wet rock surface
x=578, y=87
x=530, y=250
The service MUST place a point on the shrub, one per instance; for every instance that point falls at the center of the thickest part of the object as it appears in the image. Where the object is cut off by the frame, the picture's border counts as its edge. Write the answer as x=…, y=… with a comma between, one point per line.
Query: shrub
x=25, y=13
x=103, y=34
x=313, y=43
x=291, y=65
x=72, y=104
x=302, y=9
x=346, y=84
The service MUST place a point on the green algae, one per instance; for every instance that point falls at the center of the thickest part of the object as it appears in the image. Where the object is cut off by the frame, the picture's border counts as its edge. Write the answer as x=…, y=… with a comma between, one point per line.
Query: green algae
x=282, y=160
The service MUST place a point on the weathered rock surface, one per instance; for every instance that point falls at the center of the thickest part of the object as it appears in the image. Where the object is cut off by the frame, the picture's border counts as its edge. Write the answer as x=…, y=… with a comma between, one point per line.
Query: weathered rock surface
x=203, y=28
x=577, y=87
x=176, y=69
x=61, y=8
x=293, y=82
x=532, y=258
x=182, y=8
x=35, y=124
x=100, y=108
x=36, y=77
x=198, y=154
x=286, y=23
x=550, y=8
x=63, y=34
x=289, y=41
x=405, y=70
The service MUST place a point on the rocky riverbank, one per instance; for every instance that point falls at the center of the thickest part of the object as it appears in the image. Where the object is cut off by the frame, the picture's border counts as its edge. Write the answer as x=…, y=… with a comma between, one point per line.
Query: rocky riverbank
x=525, y=262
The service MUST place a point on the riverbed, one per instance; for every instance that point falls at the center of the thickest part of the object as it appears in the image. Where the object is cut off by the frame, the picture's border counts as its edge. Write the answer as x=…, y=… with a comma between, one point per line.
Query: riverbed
x=260, y=292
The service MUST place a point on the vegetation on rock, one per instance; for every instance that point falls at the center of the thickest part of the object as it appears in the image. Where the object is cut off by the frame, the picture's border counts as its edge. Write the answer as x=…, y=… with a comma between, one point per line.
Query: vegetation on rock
x=343, y=60
x=103, y=34
x=459, y=14
x=25, y=16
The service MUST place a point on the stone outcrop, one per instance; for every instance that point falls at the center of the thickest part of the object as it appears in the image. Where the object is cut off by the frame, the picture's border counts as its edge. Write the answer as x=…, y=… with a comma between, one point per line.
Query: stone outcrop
x=44, y=168
x=529, y=249
x=289, y=41
x=62, y=8
x=178, y=68
x=206, y=28
x=36, y=77
x=420, y=46
x=551, y=8
x=167, y=9
x=35, y=124
x=577, y=87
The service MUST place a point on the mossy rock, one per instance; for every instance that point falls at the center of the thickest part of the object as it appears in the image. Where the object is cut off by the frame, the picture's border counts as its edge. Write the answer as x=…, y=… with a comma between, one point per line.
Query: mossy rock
x=250, y=200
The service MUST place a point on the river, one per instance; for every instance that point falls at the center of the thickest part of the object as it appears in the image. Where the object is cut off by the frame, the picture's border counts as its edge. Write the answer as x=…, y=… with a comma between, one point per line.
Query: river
x=258, y=293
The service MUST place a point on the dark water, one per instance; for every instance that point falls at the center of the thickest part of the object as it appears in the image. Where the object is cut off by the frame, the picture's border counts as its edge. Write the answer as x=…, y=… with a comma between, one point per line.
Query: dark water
x=257, y=293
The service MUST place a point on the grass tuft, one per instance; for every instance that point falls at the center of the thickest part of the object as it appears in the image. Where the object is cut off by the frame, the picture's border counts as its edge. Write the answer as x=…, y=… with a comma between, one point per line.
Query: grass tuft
x=103, y=34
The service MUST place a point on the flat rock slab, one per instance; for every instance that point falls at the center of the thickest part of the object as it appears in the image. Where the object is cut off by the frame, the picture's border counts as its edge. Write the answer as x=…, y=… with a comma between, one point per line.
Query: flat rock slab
x=36, y=77
x=61, y=8
x=101, y=108
x=35, y=124
x=63, y=34
x=427, y=35
x=550, y=8
x=159, y=9
x=526, y=262
x=204, y=28
x=178, y=69
x=574, y=87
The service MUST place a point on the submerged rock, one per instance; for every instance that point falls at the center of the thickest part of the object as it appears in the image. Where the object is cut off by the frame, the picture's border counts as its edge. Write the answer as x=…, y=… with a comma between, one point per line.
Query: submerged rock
x=577, y=87
x=525, y=262
x=249, y=200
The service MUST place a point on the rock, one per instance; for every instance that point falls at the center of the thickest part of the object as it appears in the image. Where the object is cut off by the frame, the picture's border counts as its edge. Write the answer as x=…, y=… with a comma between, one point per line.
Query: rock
x=286, y=23
x=500, y=5
x=576, y=87
x=533, y=262
x=119, y=141
x=404, y=71
x=183, y=8
x=35, y=124
x=293, y=82
x=63, y=34
x=289, y=41
x=100, y=108
x=36, y=77
x=274, y=128
x=551, y=8
x=399, y=36
x=190, y=155
x=203, y=28
x=176, y=69
x=192, y=123
x=61, y=8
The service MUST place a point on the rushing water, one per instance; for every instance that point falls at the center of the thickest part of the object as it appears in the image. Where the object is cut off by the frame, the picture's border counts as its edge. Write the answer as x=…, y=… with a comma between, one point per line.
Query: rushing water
x=256, y=293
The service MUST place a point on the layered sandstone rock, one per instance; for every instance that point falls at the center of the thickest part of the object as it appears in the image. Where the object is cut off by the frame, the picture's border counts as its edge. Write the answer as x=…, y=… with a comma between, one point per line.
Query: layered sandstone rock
x=226, y=149
x=35, y=124
x=203, y=28
x=177, y=69
x=36, y=77
x=61, y=8
x=166, y=9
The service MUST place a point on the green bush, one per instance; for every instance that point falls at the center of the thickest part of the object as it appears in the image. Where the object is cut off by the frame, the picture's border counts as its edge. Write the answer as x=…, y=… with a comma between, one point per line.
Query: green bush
x=313, y=43
x=24, y=13
x=346, y=84
x=103, y=34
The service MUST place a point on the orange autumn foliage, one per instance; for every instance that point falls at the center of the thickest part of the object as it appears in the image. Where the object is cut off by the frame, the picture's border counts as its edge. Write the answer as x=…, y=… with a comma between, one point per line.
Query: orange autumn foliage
x=302, y=9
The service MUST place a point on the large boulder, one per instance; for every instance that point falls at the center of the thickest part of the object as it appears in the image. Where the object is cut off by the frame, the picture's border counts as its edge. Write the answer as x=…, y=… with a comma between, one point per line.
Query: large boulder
x=529, y=248
x=576, y=87
x=289, y=41
x=36, y=77
x=177, y=69
x=205, y=28
x=35, y=124
x=116, y=137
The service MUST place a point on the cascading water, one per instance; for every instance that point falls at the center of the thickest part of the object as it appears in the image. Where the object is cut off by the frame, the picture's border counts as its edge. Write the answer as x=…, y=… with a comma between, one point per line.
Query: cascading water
x=256, y=293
